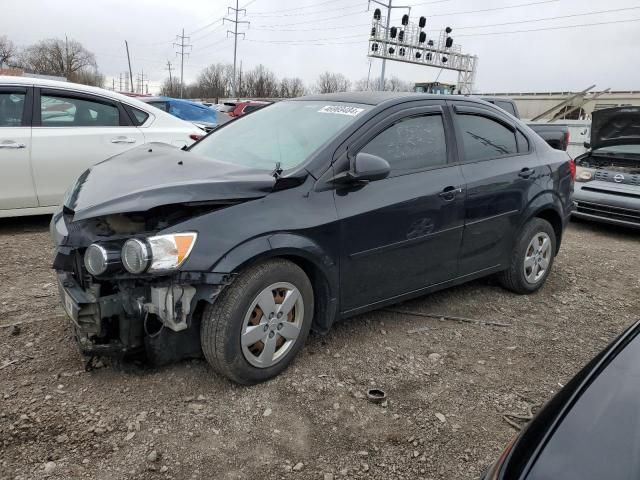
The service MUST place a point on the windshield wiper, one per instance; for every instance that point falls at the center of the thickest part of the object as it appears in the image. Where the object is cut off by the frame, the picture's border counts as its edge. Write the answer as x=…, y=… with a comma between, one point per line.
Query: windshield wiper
x=277, y=171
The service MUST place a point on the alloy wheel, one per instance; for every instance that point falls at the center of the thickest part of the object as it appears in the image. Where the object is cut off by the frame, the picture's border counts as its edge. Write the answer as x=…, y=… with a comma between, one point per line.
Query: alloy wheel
x=537, y=257
x=272, y=324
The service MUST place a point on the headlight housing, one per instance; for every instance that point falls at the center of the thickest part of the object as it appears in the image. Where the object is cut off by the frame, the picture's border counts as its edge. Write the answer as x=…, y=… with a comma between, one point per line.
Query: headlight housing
x=159, y=253
x=584, y=174
x=135, y=255
x=98, y=259
x=95, y=259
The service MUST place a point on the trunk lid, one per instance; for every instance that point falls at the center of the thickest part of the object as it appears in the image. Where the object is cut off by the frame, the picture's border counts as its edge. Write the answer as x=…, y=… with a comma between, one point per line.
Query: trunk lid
x=158, y=174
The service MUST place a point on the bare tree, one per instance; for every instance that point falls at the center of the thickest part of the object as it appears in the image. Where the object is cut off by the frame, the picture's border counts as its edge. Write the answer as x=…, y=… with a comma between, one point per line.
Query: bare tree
x=214, y=81
x=7, y=50
x=393, y=84
x=332, y=82
x=67, y=58
x=291, y=87
x=170, y=88
x=260, y=83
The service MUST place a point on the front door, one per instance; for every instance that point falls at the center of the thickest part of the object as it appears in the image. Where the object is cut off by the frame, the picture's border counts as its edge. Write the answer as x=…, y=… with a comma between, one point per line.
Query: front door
x=402, y=233
x=72, y=132
x=16, y=184
x=500, y=170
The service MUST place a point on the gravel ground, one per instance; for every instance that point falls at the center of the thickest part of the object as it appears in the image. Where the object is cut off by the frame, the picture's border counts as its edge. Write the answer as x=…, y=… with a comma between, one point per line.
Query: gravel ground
x=448, y=383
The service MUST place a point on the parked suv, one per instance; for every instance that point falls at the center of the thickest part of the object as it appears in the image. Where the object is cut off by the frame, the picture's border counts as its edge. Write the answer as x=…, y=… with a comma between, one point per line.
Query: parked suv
x=303, y=213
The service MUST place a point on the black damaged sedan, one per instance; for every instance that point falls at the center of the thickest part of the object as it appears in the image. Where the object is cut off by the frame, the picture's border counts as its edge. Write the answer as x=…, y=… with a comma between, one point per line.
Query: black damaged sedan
x=303, y=213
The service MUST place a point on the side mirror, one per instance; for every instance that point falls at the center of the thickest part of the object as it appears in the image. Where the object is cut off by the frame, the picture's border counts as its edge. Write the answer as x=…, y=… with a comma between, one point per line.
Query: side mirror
x=364, y=168
x=586, y=145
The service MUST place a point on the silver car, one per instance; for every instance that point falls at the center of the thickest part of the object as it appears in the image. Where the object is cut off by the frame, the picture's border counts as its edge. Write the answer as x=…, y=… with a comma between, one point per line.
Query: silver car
x=607, y=185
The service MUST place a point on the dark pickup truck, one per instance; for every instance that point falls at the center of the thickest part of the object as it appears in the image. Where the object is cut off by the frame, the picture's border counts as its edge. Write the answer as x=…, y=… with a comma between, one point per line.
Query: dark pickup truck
x=555, y=135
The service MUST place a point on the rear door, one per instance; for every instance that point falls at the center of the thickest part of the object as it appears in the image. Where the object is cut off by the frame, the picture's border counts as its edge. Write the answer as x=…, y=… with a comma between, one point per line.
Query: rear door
x=402, y=233
x=16, y=184
x=501, y=172
x=71, y=132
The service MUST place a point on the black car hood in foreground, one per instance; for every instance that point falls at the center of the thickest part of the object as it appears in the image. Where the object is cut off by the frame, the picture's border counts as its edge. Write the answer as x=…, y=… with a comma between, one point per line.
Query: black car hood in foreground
x=615, y=126
x=158, y=174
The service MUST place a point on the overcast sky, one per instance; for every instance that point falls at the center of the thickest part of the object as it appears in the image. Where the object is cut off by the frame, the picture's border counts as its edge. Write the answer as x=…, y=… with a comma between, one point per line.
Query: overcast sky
x=305, y=37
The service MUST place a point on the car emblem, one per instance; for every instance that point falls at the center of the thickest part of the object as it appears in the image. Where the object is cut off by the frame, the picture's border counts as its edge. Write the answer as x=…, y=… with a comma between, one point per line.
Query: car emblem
x=619, y=178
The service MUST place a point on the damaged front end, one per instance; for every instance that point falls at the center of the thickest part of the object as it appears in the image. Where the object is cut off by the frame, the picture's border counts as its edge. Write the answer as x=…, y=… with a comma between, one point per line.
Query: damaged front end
x=121, y=286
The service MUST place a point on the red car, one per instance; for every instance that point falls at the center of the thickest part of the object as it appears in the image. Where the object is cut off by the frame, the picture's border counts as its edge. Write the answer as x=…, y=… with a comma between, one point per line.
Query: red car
x=242, y=108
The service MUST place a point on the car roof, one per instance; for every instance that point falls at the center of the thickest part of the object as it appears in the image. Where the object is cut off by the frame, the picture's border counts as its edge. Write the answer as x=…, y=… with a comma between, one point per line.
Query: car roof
x=77, y=87
x=172, y=99
x=378, y=98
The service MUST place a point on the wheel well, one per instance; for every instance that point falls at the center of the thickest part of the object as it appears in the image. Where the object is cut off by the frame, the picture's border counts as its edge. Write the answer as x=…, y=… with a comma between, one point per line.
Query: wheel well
x=555, y=220
x=323, y=312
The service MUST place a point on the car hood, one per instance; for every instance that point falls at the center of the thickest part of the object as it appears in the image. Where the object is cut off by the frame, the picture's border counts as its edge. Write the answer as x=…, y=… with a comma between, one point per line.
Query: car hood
x=158, y=174
x=615, y=126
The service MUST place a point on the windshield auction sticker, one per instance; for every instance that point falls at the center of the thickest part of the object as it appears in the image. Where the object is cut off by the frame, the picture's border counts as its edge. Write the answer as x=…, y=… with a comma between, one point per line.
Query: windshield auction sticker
x=341, y=110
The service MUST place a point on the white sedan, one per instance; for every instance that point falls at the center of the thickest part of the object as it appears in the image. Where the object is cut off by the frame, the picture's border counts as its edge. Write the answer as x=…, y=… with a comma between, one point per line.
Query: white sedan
x=50, y=132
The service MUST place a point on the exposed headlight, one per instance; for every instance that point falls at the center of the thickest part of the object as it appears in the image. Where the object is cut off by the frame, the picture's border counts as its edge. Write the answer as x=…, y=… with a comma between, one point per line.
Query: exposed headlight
x=135, y=256
x=157, y=254
x=95, y=259
x=168, y=252
x=584, y=174
x=98, y=259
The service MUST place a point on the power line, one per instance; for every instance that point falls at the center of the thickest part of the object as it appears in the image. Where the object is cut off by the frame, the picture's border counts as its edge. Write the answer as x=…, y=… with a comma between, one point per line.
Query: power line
x=493, y=9
x=207, y=46
x=550, y=28
x=182, y=53
x=235, y=34
x=305, y=42
x=549, y=18
x=341, y=8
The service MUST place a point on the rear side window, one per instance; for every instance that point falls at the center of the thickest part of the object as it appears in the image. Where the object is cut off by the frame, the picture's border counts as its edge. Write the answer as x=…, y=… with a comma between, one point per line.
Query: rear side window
x=411, y=144
x=11, y=109
x=523, y=142
x=138, y=117
x=161, y=105
x=251, y=108
x=507, y=107
x=484, y=138
x=61, y=111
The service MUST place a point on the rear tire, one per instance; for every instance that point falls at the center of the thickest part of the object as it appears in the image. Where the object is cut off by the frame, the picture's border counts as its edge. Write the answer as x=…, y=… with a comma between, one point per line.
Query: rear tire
x=531, y=259
x=258, y=324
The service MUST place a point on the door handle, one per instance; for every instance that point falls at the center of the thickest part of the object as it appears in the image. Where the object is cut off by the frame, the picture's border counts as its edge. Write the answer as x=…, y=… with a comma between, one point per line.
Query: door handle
x=526, y=172
x=12, y=145
x=123, y=140
x=449, y=193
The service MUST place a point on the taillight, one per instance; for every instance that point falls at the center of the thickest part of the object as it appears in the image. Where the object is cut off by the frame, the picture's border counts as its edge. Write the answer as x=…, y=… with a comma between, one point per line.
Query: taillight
x=572, y=169
x=195, y=137
x=567, y=136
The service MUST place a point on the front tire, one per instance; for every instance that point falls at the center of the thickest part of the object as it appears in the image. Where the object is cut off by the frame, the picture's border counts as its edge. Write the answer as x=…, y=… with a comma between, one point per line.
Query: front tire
x=531, y=259
x=258, y=324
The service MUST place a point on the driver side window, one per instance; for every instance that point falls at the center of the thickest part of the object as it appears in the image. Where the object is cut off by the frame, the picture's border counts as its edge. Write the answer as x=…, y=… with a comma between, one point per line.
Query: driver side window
x=411, y=144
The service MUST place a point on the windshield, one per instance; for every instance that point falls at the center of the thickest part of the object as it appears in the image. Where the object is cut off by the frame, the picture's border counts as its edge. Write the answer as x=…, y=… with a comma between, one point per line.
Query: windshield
x=621, y=149
x=285, y=132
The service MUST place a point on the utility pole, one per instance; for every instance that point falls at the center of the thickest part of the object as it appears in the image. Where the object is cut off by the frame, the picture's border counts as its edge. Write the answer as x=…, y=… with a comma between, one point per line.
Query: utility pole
x=66, y=49
x=141, y=80
x=182, y=46
x=235, y=34
x=389, y=8
x=113, y=84
x=170, y=78
x=120, y=84
x=130, y=71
